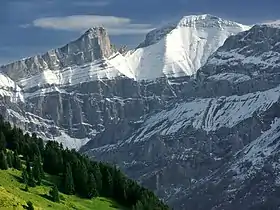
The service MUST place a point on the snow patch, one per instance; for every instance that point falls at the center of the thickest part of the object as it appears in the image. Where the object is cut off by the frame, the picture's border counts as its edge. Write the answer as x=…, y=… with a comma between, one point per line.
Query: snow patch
x=70, y=142
x=209, y=114
x=258, y=151
x=109, y=68
x=10, y=89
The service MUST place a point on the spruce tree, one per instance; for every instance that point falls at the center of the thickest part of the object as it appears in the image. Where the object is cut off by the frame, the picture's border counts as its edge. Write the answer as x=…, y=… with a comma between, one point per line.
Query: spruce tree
x=41, y=167
x=108, y=183
x=35, y=151
x=24, y=176
x=31, y=180
x=69, y=187
x=80, y=175
x=2, y=141
x=53, y=160
x=3, y=161
x=138, y=206
x=9, y=159
x=40, y=145
x=28, y=166
x=54, y=194
x=124, y=196
x=37, y=171
x=92, y=191
x=98, y=177
x=16, y=161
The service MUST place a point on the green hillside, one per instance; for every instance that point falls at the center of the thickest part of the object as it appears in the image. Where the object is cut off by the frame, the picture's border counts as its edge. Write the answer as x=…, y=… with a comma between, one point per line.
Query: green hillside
x=13, y=195
x=48, y=176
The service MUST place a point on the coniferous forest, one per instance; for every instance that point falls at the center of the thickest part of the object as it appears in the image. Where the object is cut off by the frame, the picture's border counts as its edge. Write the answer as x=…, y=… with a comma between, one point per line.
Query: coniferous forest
x=79, y=175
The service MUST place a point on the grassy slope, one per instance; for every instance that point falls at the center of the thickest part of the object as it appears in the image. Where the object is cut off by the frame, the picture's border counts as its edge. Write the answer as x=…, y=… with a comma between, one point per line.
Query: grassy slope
x=12, y=196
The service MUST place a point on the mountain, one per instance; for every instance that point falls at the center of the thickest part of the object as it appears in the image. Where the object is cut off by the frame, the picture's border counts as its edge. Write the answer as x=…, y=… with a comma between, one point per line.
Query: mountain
x=243, y=77
x=202, y=136
x=175, y=50
x=73, y=93
x=181, y=48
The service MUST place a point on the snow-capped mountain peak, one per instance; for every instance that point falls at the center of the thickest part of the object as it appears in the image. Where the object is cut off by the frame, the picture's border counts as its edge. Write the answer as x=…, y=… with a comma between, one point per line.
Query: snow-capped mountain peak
x=181, y=48
x=207, y=21
x=193, y=21
x=93, y=45
x=177, y=49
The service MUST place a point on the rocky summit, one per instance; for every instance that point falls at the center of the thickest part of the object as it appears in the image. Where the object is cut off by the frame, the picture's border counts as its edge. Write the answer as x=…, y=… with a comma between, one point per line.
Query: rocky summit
x=192, y=112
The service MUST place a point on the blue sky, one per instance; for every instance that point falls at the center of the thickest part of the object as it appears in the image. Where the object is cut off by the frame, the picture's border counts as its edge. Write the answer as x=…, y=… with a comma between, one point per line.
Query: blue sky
x=29, y=27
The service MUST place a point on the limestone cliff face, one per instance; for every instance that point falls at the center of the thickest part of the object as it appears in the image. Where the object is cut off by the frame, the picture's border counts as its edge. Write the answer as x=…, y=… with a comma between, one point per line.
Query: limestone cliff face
x=94, y=44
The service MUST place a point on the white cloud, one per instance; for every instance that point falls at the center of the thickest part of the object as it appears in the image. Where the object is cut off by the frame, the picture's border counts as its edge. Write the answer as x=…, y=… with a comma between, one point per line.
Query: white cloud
x=115, y=25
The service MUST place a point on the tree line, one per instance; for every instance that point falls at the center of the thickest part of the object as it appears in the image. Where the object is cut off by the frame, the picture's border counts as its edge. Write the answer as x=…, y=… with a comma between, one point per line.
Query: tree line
x=78, y=175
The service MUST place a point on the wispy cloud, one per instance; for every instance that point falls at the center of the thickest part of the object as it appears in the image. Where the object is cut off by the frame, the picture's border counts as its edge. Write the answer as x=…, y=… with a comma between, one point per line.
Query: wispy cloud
x=115, y=25
x=91, y=4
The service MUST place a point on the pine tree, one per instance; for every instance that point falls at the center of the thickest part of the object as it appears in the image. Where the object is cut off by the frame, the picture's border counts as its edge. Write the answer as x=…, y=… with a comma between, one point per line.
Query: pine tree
x=138, y=206
x=37, y=171
x=119, y=185
x=24, y=176
x=35, y=151
x=52, y=161
x=98, y=177
x=2, y=141
x=31, y=180
x=28, y=166
x=92, y=191
x=9, y=159
x=16, y=161
x=41, y=167
x=68, y=181
x=124, y=196
x=3, y=161
x=54, y=194
x=108, y=183
x=40, y=145
x=80, y=176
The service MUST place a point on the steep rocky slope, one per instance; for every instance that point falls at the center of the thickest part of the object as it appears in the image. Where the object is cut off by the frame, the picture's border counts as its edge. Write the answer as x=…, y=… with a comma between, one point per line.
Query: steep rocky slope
x=200, y=142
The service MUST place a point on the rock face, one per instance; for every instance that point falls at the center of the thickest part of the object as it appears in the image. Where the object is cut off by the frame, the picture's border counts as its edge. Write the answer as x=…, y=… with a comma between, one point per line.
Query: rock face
x=203, y=141
x=94, y=44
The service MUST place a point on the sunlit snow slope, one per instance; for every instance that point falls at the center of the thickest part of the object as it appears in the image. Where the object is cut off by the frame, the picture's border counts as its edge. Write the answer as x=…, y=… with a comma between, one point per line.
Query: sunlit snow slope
x=180, y=49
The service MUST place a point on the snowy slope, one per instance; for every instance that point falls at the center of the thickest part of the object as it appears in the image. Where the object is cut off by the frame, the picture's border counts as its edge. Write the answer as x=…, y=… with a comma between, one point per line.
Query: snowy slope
x=208, y=114
x=260, y=50
x=10, y=89
x=174, y=50
x=182, y=48
x=108, y=68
